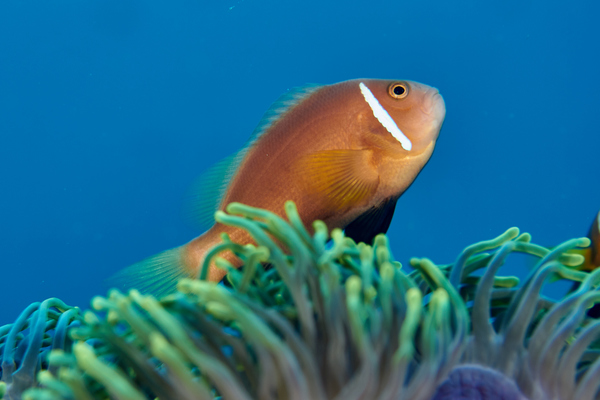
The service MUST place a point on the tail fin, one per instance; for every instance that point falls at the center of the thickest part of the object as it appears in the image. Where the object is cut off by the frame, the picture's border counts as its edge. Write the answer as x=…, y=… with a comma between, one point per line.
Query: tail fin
x=157, y=275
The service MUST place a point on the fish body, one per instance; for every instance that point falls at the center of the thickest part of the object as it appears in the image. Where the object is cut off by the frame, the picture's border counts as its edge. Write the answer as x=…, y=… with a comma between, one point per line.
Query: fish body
x=343, y=153
x=591, y=254
x=591, y=261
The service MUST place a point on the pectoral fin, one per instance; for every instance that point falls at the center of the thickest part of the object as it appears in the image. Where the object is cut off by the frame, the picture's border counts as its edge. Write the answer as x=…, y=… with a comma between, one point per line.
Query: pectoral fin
x=343, y=177
x=373, y=222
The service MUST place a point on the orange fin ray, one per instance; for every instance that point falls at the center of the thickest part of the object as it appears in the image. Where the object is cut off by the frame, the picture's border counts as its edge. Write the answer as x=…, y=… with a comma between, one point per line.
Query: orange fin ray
x=345, y=177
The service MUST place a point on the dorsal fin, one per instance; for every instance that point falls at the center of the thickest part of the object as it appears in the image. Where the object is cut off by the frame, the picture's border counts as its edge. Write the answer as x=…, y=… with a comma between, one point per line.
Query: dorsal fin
x=277, y=110
x=207, y=193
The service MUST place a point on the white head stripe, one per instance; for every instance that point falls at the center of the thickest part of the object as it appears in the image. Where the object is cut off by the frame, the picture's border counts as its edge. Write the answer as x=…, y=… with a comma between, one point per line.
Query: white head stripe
x=384, y=118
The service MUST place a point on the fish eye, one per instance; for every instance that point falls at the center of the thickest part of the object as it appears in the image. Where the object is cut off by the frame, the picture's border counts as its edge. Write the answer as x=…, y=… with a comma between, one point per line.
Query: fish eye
x=398, y=90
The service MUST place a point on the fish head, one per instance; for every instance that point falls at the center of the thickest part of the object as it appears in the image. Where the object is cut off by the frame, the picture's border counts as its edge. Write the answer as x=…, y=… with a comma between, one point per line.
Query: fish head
x=411, y=112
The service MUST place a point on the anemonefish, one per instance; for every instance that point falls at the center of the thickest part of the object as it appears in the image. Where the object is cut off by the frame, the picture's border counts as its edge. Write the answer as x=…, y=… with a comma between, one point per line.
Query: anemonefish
x=343, y=153
x=591, y=260
x=591, y=254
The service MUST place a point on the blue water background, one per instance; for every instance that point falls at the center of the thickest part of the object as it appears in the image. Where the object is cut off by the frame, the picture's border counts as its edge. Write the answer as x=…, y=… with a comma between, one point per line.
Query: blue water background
x=110, y=109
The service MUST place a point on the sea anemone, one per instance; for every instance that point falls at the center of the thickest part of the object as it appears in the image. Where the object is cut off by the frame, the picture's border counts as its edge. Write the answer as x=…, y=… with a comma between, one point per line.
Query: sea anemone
x=319, y=317
x=26, y=344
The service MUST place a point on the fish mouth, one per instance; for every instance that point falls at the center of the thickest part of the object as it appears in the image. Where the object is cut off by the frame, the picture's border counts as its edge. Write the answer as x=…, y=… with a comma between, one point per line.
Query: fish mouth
x=434, y=106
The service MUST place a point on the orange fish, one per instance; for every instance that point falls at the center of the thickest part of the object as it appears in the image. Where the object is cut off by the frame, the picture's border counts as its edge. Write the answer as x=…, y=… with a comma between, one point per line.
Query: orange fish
x=344, y=153
x=591, y=260
x=591, y=254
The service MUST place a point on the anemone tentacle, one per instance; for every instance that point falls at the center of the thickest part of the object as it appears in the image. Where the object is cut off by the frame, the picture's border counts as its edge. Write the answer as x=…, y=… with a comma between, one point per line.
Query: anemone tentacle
x=334, y=320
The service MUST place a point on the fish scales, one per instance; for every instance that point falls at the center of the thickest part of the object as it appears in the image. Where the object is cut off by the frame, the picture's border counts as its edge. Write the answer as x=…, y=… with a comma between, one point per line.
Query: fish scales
x=343, y=153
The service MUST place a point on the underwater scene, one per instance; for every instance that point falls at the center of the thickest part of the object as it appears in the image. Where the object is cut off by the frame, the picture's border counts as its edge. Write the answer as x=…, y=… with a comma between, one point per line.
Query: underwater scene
x=458, y=140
